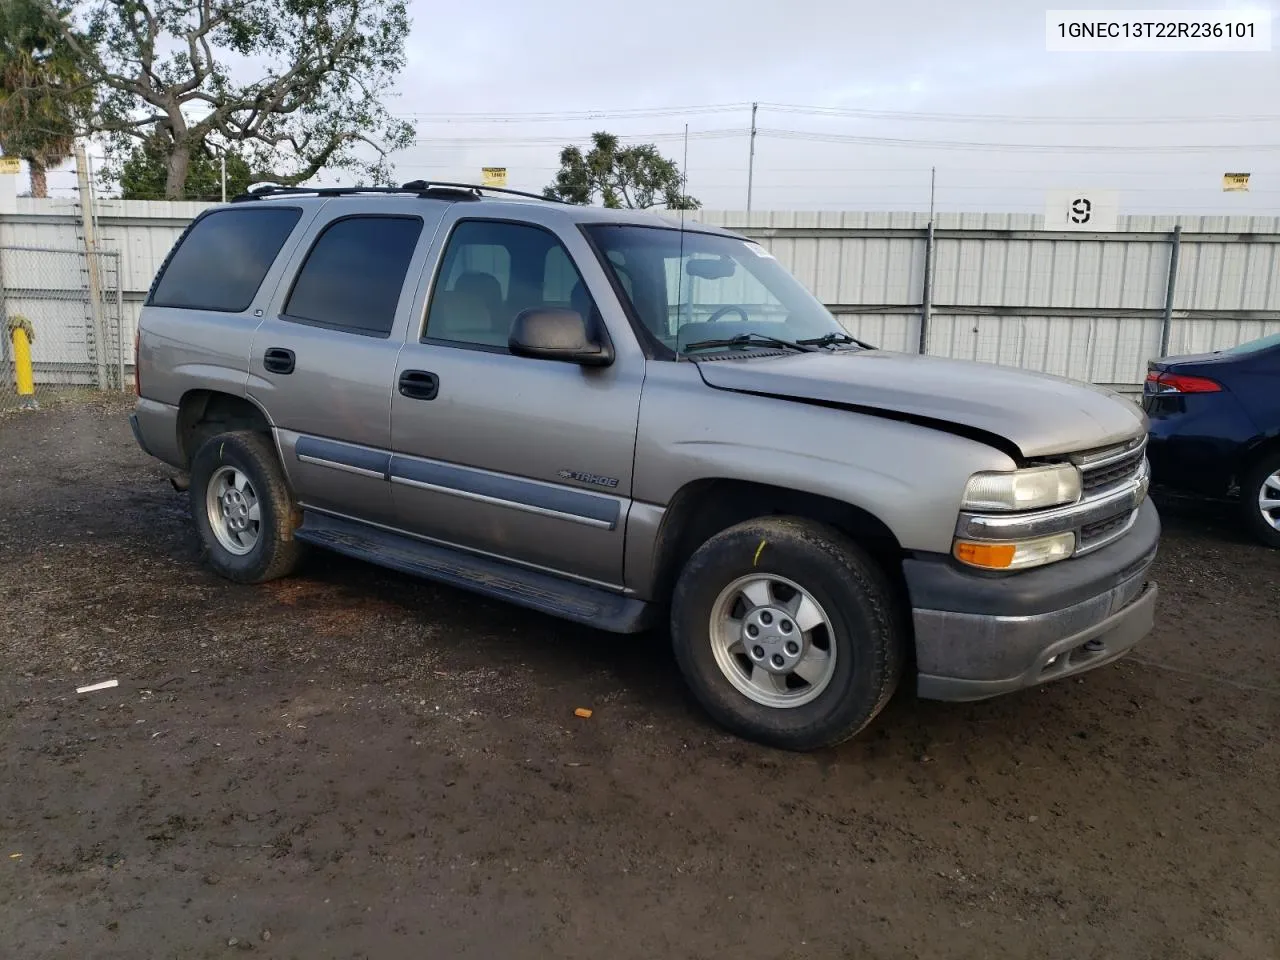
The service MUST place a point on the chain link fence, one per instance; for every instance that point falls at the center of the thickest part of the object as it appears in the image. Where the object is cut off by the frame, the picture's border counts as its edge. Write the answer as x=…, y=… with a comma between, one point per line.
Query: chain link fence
x=63, y=328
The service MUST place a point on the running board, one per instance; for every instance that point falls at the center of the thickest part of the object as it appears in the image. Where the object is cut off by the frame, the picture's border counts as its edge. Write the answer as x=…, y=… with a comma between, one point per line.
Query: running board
x=491, y=578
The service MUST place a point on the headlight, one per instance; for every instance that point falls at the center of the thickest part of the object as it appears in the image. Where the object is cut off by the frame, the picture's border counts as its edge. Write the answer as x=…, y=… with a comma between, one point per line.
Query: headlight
x=1016, y=555
x=1028, y=489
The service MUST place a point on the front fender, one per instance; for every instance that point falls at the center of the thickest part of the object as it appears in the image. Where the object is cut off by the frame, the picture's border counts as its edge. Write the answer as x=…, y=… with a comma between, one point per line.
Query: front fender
x=909, y=477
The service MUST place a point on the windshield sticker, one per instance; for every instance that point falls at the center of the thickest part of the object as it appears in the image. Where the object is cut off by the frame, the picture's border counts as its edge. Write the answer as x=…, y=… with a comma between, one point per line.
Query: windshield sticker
x=760, y=251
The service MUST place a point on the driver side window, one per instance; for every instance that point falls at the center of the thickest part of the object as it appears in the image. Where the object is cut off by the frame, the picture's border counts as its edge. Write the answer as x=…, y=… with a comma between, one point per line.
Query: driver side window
x=494, y=270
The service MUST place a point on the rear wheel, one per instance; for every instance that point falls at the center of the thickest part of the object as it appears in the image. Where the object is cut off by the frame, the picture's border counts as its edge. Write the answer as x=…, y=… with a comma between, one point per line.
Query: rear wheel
x=1260, y=499
x=787, y=632
x=242, y=507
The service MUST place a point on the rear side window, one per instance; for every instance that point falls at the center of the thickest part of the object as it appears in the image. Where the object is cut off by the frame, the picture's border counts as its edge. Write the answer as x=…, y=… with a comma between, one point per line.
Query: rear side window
x=220, y=263
x=352, y=277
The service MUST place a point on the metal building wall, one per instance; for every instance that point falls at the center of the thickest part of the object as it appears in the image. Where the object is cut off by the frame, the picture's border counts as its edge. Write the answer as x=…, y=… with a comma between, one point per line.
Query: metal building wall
x=1084, y=305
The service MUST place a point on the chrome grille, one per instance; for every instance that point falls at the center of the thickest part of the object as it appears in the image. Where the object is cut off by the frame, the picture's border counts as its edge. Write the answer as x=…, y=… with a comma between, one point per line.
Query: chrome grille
x=1100, y=477
x=1106, y=468
x=1114, y=486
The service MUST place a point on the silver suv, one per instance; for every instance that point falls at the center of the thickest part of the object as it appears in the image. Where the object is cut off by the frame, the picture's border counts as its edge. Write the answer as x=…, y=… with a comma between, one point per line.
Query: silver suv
x=624, y=421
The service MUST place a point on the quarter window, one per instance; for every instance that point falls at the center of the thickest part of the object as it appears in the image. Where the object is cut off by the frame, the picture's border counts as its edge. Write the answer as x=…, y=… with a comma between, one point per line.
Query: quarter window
x=353, y=276
x=220, y=263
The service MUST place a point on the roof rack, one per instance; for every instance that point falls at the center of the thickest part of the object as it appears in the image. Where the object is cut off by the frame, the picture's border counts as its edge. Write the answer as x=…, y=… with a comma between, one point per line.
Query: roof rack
x=433, y=189
x=433, y=184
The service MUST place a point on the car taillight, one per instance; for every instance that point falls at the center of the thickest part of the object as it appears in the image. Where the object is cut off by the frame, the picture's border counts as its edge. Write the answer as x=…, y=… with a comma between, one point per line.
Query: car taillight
x=1166, y=382
x=137, y=373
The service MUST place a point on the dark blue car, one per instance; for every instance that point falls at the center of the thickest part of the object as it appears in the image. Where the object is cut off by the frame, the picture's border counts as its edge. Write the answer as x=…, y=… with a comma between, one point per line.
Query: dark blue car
x=1215, y=429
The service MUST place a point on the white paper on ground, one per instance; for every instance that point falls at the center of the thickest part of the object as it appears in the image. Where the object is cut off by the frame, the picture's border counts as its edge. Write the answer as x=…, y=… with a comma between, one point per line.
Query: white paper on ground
x=104, y=685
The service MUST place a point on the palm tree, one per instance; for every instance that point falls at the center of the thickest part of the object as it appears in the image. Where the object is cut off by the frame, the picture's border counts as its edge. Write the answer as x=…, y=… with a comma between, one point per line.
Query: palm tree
x=41, y=90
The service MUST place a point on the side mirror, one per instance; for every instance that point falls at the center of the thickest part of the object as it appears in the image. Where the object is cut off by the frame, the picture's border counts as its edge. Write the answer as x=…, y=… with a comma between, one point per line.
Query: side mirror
x=551, y=334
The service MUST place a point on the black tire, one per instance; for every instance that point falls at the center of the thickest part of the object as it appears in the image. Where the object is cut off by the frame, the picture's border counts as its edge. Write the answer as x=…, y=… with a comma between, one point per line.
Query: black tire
x=866, y=623
x=1251, y=492
x=276, y=552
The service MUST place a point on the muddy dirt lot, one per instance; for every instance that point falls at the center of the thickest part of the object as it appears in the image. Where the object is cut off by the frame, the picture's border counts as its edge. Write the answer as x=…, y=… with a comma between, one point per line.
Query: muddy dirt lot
x=351, y=763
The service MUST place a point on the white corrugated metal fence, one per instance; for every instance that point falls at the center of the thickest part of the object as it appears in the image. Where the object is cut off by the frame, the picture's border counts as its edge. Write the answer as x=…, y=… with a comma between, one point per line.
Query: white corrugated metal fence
x=1092, y=306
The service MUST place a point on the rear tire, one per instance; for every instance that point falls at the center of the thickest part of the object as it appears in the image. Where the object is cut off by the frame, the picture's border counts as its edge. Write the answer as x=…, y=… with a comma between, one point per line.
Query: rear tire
x=787, y=632
x=242, y=508
x=1260, y=499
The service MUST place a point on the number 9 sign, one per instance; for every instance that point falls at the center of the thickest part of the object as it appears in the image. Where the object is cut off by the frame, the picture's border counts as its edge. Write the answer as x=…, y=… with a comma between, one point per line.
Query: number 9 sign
x=1081, y=210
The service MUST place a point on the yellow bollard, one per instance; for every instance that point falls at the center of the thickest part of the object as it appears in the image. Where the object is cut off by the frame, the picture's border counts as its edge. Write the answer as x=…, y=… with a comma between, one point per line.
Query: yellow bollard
x=21, y=333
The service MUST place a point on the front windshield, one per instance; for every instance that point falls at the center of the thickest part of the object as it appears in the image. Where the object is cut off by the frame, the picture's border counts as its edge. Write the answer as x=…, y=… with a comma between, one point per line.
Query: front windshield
x=699, y=287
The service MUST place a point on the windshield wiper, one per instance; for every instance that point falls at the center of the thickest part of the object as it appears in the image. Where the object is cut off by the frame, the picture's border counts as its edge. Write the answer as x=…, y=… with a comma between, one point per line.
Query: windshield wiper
x=831, y=339
x=746, y=340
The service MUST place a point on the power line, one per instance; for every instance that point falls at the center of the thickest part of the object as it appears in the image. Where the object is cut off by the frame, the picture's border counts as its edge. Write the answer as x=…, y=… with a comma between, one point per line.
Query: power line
x=1183, y=183
x=902, y=142
x=1012, y=147
x=864, y=114
x=561, y=140
x=553, y=116
x=1001, y=172
x=623, y=113
x=988, y=188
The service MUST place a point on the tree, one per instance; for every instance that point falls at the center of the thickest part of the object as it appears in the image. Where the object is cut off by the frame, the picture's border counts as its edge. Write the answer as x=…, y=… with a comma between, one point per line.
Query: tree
x=638, y=177
x=169, y=75
x=42, y=92
x=143, y=175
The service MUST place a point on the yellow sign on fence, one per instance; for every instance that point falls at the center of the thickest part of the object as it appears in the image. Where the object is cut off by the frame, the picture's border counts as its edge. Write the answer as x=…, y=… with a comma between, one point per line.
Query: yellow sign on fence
x=10, y=165
x=493, y=176
x=1235, y=182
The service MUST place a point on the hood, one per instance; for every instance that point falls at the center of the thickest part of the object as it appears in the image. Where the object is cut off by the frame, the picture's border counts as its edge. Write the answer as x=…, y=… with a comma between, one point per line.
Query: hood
x=1038, y=414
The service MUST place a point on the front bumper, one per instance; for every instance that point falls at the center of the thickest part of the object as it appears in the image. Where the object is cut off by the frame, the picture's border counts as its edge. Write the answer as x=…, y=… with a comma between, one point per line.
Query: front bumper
x=979, y=636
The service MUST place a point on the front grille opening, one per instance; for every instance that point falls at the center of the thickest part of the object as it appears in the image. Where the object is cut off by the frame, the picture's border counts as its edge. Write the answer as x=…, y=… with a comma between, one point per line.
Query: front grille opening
x=1092, y=532
x=1116, y=472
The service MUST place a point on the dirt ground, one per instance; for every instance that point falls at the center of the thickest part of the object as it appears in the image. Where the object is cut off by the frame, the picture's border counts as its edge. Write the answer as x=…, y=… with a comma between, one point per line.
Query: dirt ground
x=352, y=763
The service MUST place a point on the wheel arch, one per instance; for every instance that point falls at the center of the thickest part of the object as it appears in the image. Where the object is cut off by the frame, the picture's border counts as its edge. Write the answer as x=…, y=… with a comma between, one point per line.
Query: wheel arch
x=1256, y=450
x=202, y=412
x=702, y=508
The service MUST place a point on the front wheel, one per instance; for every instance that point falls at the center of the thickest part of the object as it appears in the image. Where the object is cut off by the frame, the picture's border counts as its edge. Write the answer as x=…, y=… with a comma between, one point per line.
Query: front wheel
x=242, y=508
x=1260, y=499
x=787, y=632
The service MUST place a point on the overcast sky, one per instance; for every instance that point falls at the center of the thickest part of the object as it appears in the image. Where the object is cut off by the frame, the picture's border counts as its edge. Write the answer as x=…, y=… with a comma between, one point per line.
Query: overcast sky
x=919, y=56
x=960, y=58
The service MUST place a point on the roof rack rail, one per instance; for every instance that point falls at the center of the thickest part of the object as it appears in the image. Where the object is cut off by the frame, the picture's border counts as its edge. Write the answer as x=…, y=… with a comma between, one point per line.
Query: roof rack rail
x=421, y=188
x=428, y=184
x=263, y=192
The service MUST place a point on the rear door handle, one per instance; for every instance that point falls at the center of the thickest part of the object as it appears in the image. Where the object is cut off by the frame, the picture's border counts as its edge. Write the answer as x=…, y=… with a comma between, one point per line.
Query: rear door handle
x=419, y=384
x=278, y=360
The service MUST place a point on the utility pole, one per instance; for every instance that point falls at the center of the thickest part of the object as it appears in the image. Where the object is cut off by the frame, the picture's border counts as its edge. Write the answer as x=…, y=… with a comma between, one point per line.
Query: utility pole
x=751, y=157
x=222, y=163
x=91, y=262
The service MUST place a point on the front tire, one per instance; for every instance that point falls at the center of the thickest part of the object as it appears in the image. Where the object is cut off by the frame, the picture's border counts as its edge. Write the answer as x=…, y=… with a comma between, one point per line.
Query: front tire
x=1260, y=499
x=242, y=508
x=787, y=633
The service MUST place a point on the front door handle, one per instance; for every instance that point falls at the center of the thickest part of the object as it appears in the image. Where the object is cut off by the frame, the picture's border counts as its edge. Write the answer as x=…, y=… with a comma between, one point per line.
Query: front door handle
x=419, y=385
x=278, y=360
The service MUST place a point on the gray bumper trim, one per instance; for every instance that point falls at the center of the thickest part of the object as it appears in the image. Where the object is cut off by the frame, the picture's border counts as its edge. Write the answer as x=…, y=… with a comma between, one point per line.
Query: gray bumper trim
x=1107, y=640
x=137, y=433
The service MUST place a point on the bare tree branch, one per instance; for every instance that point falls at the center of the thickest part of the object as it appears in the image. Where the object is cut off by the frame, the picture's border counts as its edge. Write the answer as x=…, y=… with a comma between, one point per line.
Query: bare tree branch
x=163, y=69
